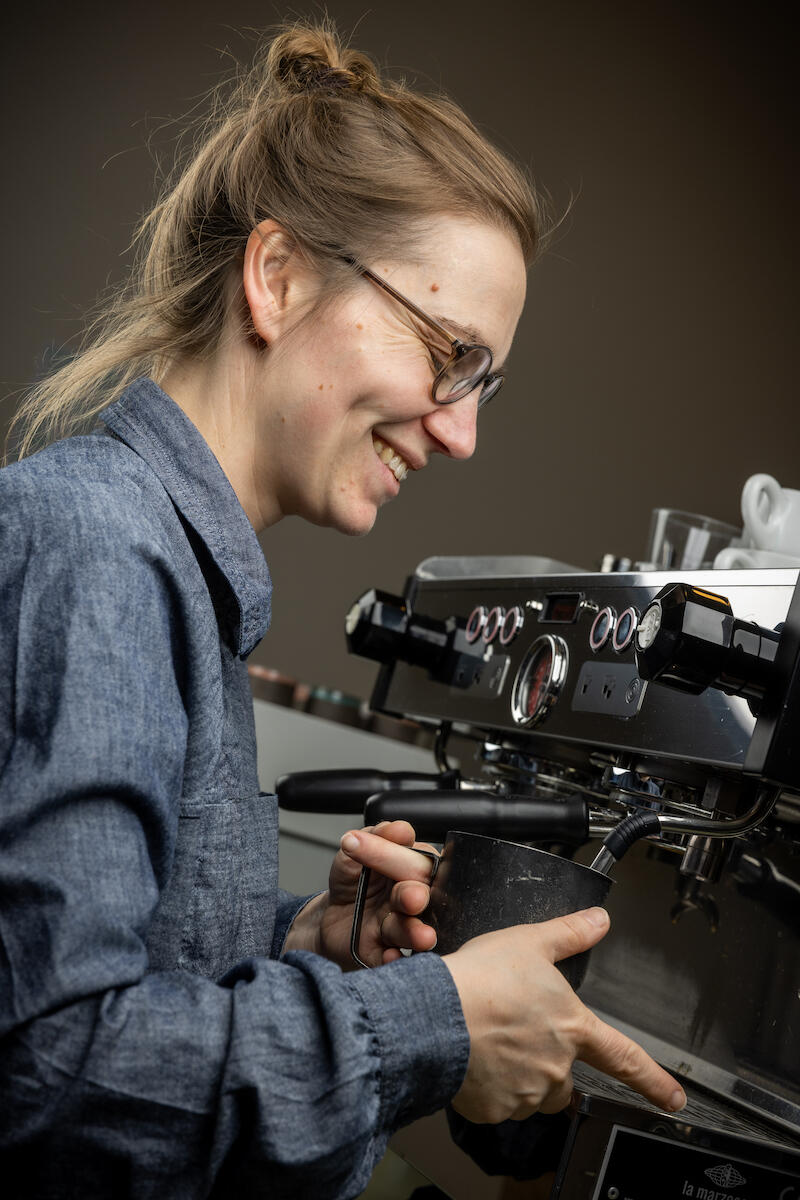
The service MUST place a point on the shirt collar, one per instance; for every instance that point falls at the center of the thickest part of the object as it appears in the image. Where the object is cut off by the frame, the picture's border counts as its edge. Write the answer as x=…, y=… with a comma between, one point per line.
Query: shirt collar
x=152, y=424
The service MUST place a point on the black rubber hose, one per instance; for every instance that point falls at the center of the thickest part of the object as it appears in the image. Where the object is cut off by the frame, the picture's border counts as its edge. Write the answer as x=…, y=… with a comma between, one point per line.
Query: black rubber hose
x=630, y=830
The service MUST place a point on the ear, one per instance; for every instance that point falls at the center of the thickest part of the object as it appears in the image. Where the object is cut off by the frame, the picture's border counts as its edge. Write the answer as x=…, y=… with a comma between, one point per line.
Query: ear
x=276, y=280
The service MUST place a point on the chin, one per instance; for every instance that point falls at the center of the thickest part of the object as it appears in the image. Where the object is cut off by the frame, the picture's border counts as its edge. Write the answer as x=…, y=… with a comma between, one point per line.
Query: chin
x=353, y=527
x=349, y=521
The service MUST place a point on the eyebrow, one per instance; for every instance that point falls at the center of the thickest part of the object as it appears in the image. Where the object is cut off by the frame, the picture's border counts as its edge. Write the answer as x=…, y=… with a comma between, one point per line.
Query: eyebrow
x=466, y=333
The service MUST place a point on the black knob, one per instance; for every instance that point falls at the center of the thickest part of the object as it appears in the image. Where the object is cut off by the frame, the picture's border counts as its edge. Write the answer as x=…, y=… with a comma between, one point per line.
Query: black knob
x=689, y=639
x=382, y=627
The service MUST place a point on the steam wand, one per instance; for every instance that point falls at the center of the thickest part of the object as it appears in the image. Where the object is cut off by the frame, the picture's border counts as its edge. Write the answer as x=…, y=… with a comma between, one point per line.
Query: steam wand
x=648, y=824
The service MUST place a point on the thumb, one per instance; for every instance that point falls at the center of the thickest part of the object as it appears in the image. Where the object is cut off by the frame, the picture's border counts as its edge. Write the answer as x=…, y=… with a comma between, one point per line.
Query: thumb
x=565, y=936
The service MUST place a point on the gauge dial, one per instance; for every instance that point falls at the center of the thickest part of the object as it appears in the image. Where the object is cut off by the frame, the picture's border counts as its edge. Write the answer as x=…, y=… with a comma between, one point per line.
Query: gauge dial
x=539, y=680
x=649, y=626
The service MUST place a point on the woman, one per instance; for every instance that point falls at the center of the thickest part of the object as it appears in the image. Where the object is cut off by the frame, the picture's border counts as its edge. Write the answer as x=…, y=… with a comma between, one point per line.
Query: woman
x=326, y=297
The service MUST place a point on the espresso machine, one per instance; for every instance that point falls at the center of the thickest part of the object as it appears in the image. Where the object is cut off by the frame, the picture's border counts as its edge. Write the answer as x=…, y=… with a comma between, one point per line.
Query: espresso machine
x=646, y=724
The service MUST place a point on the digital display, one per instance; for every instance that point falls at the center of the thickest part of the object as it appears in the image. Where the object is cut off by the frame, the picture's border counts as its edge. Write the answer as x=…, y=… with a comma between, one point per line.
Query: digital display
x=561, y=607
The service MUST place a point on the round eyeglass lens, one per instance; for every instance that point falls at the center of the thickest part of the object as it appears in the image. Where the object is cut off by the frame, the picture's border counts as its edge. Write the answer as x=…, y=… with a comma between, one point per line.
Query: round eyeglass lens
x=463, y=375
x=491, y=386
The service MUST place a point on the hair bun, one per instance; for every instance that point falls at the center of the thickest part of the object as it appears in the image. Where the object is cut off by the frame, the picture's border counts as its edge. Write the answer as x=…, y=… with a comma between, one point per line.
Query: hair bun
x=312, y=58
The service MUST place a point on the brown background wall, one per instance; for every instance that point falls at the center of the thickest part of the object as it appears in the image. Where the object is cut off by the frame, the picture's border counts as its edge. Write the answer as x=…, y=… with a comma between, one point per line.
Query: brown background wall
x=654, y=364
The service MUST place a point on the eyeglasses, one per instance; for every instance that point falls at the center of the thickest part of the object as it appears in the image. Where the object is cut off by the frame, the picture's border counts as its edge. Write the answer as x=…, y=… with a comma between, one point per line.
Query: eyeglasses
x=468, y=366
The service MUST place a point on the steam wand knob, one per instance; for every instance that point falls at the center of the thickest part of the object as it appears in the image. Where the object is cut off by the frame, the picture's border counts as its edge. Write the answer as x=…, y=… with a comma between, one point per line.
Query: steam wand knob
x=383, y=627
x=689, y=639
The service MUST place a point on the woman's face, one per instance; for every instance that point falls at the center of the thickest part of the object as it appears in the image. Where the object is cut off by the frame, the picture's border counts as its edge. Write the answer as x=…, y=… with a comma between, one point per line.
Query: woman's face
x=354, y=384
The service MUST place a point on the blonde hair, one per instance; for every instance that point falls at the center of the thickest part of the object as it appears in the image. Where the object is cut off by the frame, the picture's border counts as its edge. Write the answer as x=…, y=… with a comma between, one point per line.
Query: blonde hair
x=313, y=137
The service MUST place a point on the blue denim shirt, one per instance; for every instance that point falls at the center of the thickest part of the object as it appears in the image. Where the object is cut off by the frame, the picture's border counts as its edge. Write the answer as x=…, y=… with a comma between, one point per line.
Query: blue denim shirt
x=152, y=1042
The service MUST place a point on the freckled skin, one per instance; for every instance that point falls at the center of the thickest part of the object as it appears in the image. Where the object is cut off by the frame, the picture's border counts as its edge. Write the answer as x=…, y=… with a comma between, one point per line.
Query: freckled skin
x=300, y=452
x=381, y=378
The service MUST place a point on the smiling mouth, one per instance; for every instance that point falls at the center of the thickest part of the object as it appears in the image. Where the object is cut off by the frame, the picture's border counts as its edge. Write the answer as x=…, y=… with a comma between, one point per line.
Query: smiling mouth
x=388, y=455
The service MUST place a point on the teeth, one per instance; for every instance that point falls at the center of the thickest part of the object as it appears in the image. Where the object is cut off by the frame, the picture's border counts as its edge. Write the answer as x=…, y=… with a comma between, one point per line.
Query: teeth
x=388, y=455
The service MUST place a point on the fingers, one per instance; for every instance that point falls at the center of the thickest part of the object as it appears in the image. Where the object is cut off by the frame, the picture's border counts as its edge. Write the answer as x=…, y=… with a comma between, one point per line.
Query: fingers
x=615, y=1054
x=408, y=932
x=565, y=936
x=388, y=852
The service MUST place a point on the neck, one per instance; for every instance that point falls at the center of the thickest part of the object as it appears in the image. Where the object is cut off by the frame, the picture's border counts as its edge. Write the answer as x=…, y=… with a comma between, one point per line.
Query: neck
x=217, y=396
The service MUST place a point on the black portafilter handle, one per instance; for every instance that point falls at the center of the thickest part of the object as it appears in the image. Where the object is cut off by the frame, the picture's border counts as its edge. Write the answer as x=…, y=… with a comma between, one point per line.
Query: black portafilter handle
x=689, y=639
x=512, y=818
x=347, y=791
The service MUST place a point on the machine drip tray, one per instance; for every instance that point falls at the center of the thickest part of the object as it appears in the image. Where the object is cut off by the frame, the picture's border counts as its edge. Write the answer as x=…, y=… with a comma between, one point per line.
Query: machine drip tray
x=619, y=1148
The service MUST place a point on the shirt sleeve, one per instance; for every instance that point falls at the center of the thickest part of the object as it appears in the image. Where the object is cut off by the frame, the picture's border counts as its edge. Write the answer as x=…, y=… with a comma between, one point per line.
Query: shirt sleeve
x=285, y=1077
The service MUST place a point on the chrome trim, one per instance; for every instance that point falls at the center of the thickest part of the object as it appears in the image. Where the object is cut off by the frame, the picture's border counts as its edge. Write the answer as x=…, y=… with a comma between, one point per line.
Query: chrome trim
x=559, y=661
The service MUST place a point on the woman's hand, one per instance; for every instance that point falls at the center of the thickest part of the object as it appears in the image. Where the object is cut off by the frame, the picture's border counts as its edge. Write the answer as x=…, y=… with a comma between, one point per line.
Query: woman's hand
x=398, y=892
x=527, y=1026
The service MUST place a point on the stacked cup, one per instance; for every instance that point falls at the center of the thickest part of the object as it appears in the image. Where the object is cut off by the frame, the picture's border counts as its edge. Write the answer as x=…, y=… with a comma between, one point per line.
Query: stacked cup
x=771, y=516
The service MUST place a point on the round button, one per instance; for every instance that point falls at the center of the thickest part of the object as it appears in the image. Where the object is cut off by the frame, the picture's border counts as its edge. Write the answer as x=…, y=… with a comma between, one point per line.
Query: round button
x=512, y=625
x=624, y=629
x=475, y=624
x=494, y=622
x=602, y=628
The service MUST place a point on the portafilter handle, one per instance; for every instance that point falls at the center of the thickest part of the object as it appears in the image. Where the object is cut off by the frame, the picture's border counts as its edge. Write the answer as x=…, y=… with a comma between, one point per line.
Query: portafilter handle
x=347, y=791
x=512, y=818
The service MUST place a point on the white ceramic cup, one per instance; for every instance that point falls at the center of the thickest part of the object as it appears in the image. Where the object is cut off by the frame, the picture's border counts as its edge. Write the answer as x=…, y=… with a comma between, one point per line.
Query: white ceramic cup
x=771, y=515
x=745, y=558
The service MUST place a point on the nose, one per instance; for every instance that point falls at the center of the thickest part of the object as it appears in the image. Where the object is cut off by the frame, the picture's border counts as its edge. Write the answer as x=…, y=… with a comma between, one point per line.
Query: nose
x=454, y=427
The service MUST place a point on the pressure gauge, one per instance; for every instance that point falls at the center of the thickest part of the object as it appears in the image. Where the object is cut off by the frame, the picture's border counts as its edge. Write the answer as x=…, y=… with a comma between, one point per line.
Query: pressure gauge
x=539, y=680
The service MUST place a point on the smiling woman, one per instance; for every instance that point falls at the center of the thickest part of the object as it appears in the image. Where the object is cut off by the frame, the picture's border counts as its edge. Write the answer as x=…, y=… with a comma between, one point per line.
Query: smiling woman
x=172, y=1024
x=349, y=164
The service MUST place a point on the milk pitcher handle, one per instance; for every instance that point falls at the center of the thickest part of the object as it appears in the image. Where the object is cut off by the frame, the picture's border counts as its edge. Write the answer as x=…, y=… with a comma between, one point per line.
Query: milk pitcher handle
x=360, y=901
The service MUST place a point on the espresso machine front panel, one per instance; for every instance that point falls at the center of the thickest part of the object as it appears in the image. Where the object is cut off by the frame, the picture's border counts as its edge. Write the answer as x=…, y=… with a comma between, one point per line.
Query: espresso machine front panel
x=590, y=623
x=676, y=697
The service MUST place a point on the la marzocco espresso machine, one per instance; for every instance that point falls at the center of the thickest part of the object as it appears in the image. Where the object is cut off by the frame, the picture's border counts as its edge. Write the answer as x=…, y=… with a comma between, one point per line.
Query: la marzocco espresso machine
x=649, y=725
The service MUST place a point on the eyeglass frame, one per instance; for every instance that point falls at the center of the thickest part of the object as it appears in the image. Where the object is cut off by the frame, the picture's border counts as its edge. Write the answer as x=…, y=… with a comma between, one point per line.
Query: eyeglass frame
x=458, y=348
